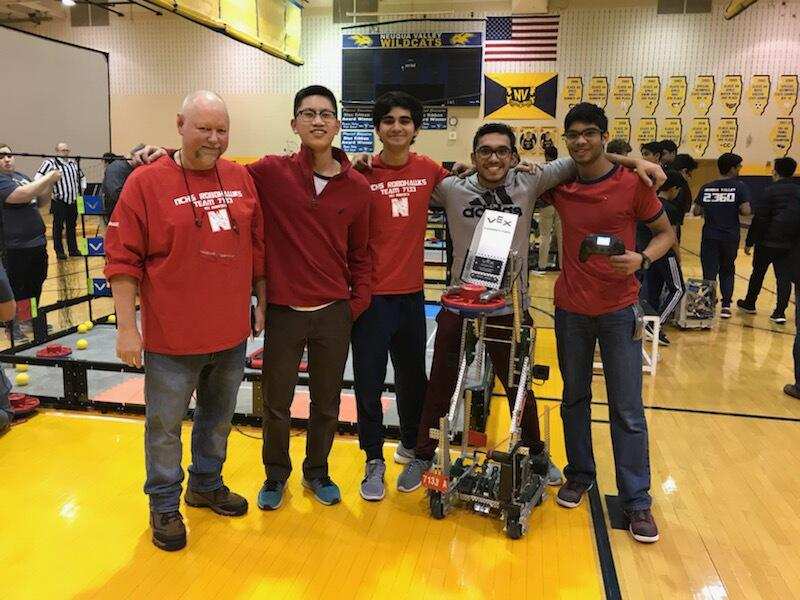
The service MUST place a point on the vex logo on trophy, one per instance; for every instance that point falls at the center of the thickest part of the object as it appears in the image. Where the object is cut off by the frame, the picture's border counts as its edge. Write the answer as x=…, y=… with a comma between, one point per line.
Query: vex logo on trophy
x=521, y=96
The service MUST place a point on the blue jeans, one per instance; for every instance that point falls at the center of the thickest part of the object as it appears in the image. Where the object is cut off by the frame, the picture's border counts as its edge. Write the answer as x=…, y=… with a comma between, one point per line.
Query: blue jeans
x=576, y=336
x=169, y=383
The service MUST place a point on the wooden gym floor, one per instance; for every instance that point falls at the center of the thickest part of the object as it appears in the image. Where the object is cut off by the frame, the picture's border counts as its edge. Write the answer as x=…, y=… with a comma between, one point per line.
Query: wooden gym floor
x=726, y=479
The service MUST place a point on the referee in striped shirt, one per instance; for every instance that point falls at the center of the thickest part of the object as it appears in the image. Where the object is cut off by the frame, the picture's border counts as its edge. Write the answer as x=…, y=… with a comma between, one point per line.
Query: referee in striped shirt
x=65, y=194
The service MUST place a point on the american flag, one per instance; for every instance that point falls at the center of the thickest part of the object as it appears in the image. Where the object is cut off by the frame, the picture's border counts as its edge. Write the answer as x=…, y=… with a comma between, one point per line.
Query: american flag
x=526, y=37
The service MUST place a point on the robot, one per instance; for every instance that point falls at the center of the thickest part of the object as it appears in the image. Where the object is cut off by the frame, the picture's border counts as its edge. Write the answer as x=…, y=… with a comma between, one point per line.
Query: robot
x=507, y=483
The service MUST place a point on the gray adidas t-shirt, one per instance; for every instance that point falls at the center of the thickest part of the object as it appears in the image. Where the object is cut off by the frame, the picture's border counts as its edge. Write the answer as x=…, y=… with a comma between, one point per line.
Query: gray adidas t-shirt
x=465, y=201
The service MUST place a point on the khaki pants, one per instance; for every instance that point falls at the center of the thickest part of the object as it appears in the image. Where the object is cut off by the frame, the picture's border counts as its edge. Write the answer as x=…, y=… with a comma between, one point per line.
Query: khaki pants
x=548, y=221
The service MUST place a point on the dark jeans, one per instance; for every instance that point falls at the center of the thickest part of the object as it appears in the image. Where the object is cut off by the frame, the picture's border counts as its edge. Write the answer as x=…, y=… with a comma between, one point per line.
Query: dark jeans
x=780, y=259
x=27, y=271
x=326, y=332
x=64, y=215
x=718, y=258
x=393, y=325
x=664, y=273
x=576, y=336
x=169, y=382
x=796, y=349
x=444, y=374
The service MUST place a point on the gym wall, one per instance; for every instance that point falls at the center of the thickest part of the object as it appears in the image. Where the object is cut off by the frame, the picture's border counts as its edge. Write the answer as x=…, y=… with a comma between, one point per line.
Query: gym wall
x=156, y=60
x=53, y=92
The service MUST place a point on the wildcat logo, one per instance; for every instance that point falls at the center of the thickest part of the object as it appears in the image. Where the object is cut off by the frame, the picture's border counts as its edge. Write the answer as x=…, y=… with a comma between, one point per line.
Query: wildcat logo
x=521, y=96
x=460, y=39
x=361, y=40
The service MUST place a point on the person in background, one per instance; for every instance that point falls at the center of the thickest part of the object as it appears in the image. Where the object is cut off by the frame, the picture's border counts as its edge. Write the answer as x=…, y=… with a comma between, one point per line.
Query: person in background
x=685, y=165
x=721, y=202
x=651, y=152
x=117, y=171
x=7, y=310
x=619, y=146
x=666, y=271
x=773, y=233
x=65, y=195
x=549, y=223
x=669, y=150
x=23, y=230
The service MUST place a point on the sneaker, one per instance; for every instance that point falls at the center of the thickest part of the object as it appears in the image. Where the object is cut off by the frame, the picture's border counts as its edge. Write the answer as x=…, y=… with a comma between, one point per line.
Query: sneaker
x=570, y=494
x=169, y=532
x=372, y=487
x=270, y=496
x=642, y=526
x=324, y=490
x=411, y=477
x=538, y=272
x=221, y=500
x=725, y=312
x=778, y=318
x=403, y=455
x=750, y=309
x=663, y=340
x=792, y=390
x=554, y=477
x=61, y=256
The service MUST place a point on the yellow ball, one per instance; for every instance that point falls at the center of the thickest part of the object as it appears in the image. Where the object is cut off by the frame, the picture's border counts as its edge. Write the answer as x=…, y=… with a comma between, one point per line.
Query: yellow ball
x=89, y=325
x=22, y=368
x=82, y=328
x=22, y=379
x=82, y=344
x=112, y=319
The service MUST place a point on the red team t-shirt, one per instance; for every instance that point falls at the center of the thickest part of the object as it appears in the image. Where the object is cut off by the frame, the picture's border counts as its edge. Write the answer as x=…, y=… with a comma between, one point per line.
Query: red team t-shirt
x=610, y=205
x=194, y=281
x=398, y=219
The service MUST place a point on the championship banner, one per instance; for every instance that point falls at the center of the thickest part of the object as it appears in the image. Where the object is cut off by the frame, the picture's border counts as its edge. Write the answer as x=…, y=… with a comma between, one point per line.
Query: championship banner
x=572, y=93
x=647, y=131
x=758, y=93
x=703, y=93
x=533, y=139
x=699, y=135
x=781, y=136
x=622, y=93
x=620, y=129
x=726, y=134
x=671, y=129
x=730, y=94
x=786, y=94
x=675, y=94
x=649, y=94
x=520, y=95
x=598, y=91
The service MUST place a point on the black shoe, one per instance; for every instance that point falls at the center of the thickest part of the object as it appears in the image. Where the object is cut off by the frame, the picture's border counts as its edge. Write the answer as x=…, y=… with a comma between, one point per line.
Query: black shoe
x=61, y=256
x=778, y=318
x=221, y=500
x=663, y=340
x=750, y=309
x=725, y=311
x=75, y=254
x=169, y=532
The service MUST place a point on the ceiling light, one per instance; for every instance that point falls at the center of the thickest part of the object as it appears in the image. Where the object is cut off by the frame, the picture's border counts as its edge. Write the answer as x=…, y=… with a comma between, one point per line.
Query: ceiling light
x=68, y=2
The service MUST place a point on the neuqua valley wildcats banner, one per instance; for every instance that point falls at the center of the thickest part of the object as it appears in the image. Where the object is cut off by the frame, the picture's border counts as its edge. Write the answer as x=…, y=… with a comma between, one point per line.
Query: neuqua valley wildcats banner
x=520, y=95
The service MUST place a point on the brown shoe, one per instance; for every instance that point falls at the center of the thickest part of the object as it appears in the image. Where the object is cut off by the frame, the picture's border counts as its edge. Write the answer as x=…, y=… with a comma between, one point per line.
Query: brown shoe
x=791, y=390
x=221, y=500
x=643, y=527
x=169, y=532
x=570, y=494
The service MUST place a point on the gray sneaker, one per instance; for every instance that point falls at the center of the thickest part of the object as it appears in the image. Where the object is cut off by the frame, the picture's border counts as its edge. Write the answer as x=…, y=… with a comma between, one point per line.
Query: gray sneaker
x=554, y=477
x=403, y=455
x=411, y=477
x=372, y=487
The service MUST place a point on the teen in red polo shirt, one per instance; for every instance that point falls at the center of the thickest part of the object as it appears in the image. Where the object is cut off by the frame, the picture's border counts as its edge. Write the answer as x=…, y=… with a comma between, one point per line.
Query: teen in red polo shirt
x=597, y=301
x=394, y=324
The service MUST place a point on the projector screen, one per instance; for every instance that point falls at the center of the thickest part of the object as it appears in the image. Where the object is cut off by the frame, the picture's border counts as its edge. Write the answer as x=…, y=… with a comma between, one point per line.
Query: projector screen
x=53, y=92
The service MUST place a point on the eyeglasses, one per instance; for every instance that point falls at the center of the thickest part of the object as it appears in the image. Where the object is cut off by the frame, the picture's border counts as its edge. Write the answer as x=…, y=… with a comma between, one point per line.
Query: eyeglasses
x=6, y=155
x=307, y=115
x=502, y=152
x=587, y=134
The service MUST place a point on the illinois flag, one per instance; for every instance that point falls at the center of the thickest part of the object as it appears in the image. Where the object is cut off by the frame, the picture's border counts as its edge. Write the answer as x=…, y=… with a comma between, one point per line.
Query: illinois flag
x=520, y=95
